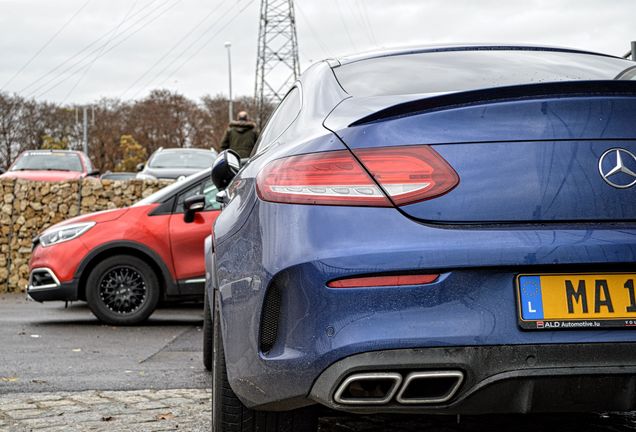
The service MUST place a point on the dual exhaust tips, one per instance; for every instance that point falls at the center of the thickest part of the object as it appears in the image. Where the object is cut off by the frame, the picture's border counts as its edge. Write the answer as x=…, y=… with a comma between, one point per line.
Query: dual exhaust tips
x=379, y=388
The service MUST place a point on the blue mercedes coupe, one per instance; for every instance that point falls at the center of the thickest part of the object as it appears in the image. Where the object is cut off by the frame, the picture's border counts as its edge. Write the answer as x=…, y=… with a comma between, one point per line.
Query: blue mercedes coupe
x=443, y=230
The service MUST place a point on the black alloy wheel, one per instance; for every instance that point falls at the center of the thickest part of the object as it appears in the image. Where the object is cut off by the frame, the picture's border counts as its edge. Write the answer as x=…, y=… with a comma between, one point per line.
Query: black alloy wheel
x=122, y=290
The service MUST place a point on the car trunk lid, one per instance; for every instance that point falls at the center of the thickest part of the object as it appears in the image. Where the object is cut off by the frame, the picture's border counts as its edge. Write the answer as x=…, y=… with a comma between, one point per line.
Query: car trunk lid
x=524, y=154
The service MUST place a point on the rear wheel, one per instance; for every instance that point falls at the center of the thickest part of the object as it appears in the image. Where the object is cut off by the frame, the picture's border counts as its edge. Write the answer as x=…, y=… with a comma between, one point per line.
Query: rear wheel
x=122, y=290
x=228, y=412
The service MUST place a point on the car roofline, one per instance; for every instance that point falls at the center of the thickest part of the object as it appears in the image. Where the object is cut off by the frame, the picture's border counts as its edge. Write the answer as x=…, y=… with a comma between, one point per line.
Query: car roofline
x=52, y=151
x=178, y=149
x=348, y=59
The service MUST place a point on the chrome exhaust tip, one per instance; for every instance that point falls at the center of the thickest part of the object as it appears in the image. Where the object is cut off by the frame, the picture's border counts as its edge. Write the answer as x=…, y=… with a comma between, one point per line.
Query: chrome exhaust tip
x=376, y=388
x=432, y=387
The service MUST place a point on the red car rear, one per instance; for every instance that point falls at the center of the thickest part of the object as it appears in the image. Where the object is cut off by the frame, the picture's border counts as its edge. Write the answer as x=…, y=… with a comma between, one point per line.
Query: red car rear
x=51, y=165
x=124, y=261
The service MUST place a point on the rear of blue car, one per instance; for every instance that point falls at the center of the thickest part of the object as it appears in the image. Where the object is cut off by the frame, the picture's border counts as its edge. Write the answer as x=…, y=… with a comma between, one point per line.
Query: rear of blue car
x=446, y=231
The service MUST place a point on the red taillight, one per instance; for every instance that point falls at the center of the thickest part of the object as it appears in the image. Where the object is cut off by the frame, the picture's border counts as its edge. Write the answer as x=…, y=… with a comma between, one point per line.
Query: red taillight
x=409, y=174
x=406, y=174
x=334, y=178
x=381, y=281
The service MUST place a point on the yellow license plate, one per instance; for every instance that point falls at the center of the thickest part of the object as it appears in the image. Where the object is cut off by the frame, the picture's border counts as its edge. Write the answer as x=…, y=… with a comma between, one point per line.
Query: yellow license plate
x=571, y=301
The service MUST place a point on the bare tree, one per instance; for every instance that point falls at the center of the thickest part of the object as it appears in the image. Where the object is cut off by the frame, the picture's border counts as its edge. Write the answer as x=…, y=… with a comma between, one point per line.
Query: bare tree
x=10, y=107
x=162, y=119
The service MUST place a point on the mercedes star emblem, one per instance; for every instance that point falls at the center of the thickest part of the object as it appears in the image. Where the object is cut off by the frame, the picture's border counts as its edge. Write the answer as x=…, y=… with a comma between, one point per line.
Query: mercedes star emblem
x=618, y=168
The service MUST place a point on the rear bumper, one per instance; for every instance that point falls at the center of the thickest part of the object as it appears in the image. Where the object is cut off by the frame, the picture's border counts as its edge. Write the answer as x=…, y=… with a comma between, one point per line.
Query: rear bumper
x=502, y=379
x=431, y=326
x=287, y=327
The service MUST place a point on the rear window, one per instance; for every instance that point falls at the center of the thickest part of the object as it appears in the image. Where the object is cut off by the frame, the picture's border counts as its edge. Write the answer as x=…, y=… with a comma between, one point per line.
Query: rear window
x=183, y=159
x=47, y=161
x=281, y=119
x=454, y=71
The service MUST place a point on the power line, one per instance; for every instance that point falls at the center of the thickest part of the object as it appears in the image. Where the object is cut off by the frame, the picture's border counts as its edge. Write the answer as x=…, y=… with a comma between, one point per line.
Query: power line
x=167, y=53
x=345, y=25
x=205, y=44
x=162, y=13
x=143, y=26
x=100, y=49
x=46, y=44
x=185, y=50
x=357, y=16
x=313, y=32
x=69, y=59
x=365, y=28
x=208, y=41
x=51, y=71
x=365, y=17
x=59, y=83
x=88, y=67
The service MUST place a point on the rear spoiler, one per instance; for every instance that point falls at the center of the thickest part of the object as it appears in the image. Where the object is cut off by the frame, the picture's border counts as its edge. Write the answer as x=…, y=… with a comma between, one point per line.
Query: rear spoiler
x=496, y=94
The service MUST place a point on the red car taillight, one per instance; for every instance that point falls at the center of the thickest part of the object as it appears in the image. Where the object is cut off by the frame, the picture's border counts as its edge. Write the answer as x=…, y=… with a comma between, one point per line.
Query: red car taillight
x=406, y=174
x=383, y=281
x=409, y=174
x=334, y=178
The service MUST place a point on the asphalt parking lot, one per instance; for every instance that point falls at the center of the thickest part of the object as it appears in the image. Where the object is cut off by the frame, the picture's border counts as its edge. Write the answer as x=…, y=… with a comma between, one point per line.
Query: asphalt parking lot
x=46, y=347
x=61, y=370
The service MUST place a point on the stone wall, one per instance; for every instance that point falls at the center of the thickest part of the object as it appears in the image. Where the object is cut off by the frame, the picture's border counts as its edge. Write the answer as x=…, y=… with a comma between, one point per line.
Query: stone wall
x=28, y=207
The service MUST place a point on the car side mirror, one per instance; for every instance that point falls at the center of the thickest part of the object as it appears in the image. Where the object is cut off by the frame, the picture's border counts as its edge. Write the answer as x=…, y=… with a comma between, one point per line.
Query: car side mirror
x=191, y=206
x=140, y=166
x=225, y=168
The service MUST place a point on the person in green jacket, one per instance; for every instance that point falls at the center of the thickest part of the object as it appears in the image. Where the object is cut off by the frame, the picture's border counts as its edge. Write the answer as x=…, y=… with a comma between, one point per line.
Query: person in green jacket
x=240, y=136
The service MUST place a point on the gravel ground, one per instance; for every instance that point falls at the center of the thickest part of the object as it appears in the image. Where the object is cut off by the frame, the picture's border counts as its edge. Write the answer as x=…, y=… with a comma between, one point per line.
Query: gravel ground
x=189, y=410
x=138, y=411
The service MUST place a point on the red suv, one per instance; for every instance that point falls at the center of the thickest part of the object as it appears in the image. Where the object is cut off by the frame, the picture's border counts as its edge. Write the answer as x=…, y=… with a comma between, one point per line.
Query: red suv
x=124, y=261
x=51, y=165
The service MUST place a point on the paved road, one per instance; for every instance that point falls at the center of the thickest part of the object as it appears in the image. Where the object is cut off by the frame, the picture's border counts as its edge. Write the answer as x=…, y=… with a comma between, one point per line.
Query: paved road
x=48, y=348
x=60, y=369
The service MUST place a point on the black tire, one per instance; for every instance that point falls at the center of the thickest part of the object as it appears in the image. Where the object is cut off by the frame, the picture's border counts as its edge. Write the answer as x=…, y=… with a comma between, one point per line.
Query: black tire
x=122, y=290
x=228, y=412
x=208, y=334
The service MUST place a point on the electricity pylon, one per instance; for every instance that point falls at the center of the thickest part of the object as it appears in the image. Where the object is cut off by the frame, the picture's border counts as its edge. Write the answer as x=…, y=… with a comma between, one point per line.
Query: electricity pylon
x=277, y=65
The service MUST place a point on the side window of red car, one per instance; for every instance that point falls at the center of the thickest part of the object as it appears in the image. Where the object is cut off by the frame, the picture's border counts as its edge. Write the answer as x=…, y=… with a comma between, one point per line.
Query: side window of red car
x=206, y=188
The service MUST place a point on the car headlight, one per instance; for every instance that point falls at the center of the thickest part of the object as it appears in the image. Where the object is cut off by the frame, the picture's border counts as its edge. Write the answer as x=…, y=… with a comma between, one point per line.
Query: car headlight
x=64, y=233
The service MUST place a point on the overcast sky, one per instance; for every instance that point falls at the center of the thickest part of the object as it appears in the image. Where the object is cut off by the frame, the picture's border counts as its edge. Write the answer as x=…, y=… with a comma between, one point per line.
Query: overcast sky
x=138, y=45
